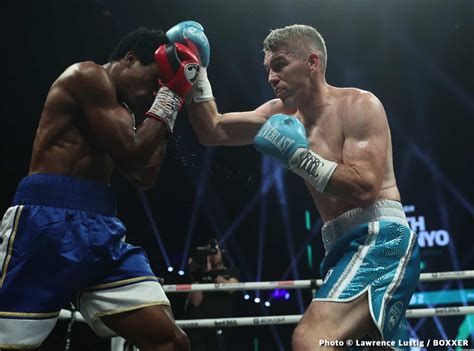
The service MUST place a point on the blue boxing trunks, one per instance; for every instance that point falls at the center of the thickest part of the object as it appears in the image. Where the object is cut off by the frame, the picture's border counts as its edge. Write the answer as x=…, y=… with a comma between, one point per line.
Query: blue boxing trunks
x=61, y=242
x=372, y=250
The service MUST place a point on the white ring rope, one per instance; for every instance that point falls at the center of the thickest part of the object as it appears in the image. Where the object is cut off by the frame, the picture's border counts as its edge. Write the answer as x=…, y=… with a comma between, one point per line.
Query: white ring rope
x=298, y=284
x=293, y=319
x=290, y=319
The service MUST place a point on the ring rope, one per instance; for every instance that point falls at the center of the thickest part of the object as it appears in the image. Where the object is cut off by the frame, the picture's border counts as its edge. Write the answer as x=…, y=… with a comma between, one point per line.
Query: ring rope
x=290, y=319
x=294, y=284
x=298, y=284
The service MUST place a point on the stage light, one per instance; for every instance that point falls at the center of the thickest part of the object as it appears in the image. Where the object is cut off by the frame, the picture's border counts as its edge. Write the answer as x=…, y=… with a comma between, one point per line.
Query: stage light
x=279, y=294
x=154, y=228
x=170, y=269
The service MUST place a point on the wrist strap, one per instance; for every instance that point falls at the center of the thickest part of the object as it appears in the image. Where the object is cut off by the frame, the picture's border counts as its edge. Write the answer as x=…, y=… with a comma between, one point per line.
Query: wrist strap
x=202, y=90
x=313, y=168
x=165, y=107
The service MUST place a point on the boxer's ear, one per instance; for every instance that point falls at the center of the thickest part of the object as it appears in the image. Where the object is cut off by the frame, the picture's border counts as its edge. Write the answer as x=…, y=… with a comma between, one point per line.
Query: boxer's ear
x=314, y=61
x=130, y=58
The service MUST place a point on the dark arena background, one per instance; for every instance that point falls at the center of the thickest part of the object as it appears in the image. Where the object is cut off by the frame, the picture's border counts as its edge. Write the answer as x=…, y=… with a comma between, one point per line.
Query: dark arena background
x=416, y=56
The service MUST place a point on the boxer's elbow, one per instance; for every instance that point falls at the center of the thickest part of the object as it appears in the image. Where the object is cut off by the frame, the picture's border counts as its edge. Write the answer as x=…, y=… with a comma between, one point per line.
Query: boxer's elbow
x=144, y=181
x=125, y=156
x=365, y=194
x=130, y=166
x=361, y=187
x=364, y=199
x=132, y=158
x=146, y=178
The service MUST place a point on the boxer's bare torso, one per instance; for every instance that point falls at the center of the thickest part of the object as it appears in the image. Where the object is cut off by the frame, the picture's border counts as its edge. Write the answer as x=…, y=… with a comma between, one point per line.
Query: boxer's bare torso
x=64, y=143
x=83, y=108
x=328, y=135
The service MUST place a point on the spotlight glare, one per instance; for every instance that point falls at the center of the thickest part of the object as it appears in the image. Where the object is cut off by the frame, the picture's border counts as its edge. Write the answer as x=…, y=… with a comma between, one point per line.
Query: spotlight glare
x=256, y=300
x=287, y=296
x=279, y=294
x=170, y=269
x=181, y=272
x=267, y=303
x=246, y=296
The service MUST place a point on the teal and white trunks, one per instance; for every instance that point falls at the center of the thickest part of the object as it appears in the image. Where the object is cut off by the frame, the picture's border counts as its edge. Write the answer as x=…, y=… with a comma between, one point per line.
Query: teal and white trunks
x=372, y=250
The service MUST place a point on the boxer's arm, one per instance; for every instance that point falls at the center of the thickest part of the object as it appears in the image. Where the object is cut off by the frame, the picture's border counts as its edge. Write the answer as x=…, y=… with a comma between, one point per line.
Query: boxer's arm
x=211, y=127
x=146, y=178
x=359, y=177
x=235, y=128
x=110, y=123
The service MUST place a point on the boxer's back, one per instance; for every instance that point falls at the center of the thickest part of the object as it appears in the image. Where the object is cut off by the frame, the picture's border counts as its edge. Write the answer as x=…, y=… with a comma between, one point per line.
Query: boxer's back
x=64, y=143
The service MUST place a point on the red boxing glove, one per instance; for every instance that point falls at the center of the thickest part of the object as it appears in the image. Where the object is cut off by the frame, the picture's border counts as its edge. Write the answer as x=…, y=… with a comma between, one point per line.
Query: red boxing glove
x=179, y=68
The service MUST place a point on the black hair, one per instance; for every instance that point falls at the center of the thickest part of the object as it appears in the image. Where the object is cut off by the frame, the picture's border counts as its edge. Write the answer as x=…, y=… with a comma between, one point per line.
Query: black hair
x=143, y=42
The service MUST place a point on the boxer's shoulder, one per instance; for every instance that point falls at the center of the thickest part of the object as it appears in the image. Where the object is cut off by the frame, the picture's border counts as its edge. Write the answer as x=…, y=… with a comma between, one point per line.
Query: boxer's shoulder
x=84, y=73
x=90, y=74
x=350, y=96
x=85, y=79
x=356, y=106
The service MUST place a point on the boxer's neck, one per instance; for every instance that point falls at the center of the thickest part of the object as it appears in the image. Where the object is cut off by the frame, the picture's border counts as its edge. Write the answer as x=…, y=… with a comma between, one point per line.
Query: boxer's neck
x=316, y=101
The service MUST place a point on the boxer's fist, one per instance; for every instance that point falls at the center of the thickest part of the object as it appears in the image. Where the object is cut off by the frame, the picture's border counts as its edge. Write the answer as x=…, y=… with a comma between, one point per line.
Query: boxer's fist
x=191, y=34
x=179, y=69
x=284, y=138
x=280, y=137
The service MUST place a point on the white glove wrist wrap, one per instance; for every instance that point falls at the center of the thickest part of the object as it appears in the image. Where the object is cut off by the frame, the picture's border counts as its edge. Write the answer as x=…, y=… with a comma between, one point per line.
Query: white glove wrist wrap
x=313, y=168
x=202, y=90
x=166, y=106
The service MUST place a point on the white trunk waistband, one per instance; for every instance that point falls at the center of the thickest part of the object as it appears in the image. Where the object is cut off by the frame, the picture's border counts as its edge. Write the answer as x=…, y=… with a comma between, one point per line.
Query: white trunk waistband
x=381, y=210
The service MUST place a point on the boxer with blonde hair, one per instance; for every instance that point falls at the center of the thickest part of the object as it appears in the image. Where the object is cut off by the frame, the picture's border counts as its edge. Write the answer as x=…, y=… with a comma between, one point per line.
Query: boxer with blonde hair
x=337, y=140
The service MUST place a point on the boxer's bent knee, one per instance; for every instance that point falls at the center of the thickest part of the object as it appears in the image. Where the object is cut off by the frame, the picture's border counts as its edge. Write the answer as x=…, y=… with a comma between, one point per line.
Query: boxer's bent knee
x=308, y=337
x=181, y=341
x=176, y=341
x=332, y=321
x=149, y=328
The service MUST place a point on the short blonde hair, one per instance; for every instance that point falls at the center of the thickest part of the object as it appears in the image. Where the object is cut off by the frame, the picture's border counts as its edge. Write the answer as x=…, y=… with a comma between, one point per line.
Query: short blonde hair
x=298, y=39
